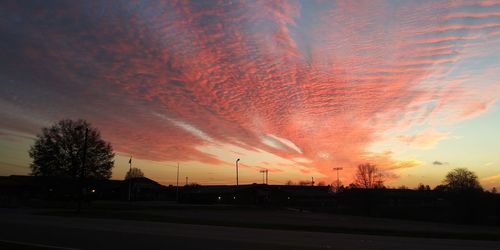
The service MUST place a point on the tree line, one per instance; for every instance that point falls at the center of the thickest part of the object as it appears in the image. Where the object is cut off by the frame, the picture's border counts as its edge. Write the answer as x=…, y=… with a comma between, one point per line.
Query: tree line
x=369, y=176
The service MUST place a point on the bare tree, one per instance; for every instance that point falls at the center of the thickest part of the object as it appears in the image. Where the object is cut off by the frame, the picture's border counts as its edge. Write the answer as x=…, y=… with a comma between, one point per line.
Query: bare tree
x=63, y=148
x=461, y=179
x=134, y=173
x=368, y=176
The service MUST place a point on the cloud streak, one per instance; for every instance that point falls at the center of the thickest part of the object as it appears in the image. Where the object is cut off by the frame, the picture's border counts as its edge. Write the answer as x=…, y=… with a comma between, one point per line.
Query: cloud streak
x=163, y=81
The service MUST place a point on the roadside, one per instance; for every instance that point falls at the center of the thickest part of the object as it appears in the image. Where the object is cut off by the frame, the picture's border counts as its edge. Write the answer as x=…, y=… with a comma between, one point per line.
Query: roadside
x=282, y=219
x=93, y=233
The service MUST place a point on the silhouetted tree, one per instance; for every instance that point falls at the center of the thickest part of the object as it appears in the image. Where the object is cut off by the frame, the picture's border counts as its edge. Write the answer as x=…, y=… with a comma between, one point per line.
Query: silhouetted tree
x=465, y=194
x=461, y=179
x=494, y=190
x=422, y=187
x=134, y=173
x=289, y=183
x=368, y=176
x=59, y=151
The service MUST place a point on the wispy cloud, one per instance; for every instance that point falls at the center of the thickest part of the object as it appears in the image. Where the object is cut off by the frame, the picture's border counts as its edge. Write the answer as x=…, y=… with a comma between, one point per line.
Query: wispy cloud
x=490, y=179
x=424, y=139
x=438, y=163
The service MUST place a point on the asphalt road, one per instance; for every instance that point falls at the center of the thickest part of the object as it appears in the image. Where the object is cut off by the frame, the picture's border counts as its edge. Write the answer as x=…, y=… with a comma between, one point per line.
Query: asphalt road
x=25, y=231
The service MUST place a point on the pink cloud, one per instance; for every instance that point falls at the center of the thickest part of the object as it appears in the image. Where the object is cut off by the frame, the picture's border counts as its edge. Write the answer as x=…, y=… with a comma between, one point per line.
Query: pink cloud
x=163, y=80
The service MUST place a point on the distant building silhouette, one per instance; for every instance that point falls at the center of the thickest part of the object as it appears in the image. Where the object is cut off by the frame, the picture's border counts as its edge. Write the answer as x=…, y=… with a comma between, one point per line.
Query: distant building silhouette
x=424, y=204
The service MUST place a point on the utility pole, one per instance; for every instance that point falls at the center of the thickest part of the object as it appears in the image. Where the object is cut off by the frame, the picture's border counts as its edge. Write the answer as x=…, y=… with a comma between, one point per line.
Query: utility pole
x=177, y=189
x=267, y=180
x=264, y=176
x=338, y=180
x=186, y=181
x=237, y=181
x=82, y=171
x=312, y=181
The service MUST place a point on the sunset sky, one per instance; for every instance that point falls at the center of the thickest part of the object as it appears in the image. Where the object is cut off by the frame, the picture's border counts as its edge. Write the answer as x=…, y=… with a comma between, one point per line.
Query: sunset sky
x=296, y=87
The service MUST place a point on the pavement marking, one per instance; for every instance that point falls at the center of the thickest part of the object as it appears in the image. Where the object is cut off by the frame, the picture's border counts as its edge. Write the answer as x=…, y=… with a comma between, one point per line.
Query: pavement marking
x=37, y=245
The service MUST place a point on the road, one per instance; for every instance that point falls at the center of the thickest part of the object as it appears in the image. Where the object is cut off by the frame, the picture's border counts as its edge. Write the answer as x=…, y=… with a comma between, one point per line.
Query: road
x=26, y=231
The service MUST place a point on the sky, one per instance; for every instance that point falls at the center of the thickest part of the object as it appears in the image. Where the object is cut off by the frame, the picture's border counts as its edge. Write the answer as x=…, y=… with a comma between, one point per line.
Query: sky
x=295, y=87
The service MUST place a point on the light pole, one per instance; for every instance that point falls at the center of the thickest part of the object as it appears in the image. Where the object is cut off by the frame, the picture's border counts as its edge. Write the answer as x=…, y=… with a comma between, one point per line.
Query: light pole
x=237, y=181
x=177, y=181
x=338, y=180
x=81, y=186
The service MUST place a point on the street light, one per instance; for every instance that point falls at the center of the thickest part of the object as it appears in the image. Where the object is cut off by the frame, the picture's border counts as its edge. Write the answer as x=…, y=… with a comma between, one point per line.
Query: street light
x=237, y=181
